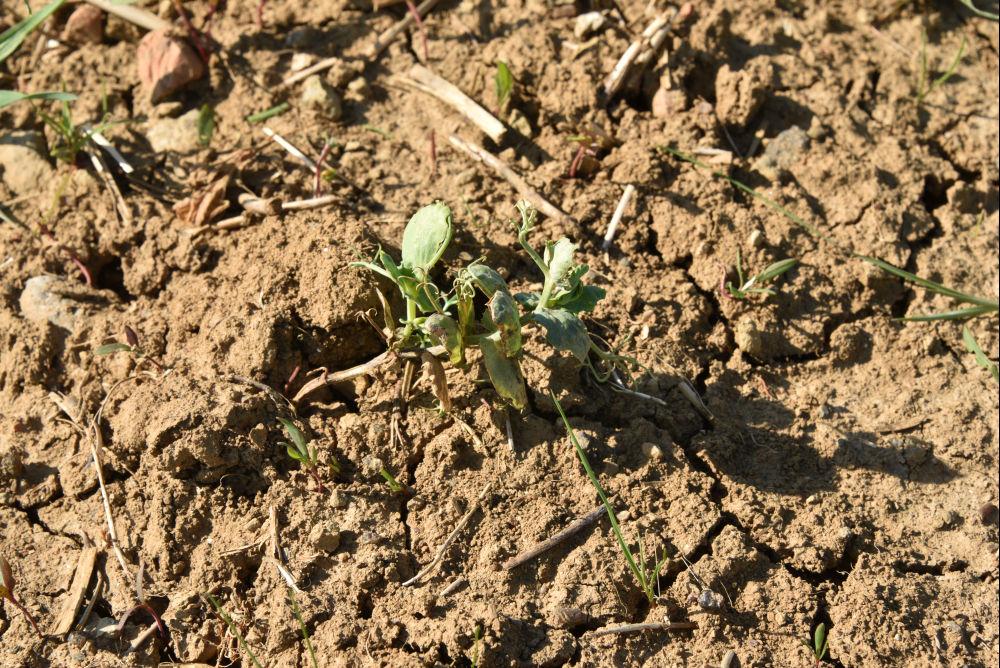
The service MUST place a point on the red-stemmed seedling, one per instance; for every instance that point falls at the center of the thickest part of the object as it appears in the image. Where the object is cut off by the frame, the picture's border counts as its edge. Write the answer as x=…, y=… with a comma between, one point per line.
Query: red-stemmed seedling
x=131, y=346
x=142, y=605
x=7, y=592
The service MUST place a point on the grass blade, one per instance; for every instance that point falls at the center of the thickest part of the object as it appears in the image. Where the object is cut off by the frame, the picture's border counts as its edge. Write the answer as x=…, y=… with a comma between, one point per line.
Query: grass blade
x=232, y=628
x=981, y=359
x=931, y=285
x=633, y=566
x=13, y=36
x=302, y=627
x=9, y=97
x=958, y=314
x=261, y=116
x=980, y=12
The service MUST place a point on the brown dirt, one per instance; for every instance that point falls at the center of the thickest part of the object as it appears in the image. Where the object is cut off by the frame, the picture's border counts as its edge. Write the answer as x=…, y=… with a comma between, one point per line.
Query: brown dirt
x=850, y=474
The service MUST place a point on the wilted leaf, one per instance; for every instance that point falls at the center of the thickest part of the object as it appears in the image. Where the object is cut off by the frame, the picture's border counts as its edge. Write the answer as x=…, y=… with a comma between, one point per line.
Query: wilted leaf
x=131, y=337
x=529, y=300
x=109, y=348
x=564, y=331
x=6, y=579
x=505, y=374
x=503, y=315
x=486, y=279
x=439, y=379
x=445, y=330
x=426, y=236
x=559, y=257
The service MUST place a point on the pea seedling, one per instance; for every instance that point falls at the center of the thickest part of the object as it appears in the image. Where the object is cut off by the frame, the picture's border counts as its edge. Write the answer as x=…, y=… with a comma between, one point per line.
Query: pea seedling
x=819, y=644
x=7, y=585
x=130, y=346
x=757, y=283
x=300, y=451
x=450, y=319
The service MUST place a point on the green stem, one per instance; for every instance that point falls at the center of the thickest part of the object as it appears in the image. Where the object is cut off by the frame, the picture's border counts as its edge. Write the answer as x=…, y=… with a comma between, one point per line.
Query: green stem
x=522, y=238
x=411, y=315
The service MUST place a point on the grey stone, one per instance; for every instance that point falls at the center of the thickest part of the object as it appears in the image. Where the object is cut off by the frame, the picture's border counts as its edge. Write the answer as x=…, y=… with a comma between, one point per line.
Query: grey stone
x=23, y=162
x=42, y=301
x=321, y=97
x=179, y=135
x=783, y=152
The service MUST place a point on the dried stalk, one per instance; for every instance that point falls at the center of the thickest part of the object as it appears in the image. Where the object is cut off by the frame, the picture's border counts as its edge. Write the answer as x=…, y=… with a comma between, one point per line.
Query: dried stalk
x=426, y=81
x=648, y=626
x=574, y=527
x=132, y=14
x=526, y=191
x=617, y=217
x=439, y=556
x=386, y=38
x=641, y=52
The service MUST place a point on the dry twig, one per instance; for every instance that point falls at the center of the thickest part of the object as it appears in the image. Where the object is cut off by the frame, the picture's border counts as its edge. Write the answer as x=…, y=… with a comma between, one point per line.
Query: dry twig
x=132, y=14
x=617, y=217
x=386, y=38
x=426, y=81
x=574, y=527
x=480, y=154
x=648, y=626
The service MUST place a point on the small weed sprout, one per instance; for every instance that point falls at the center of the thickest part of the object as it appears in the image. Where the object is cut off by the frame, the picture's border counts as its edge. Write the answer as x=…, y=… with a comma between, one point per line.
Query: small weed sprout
x=925, y=85
x=300, y=451
x=206, y=125
x=434, y=316
x=647, y=577
x=390, y=480
x=757, y=283
x=503, y=86
x=71, y=138
x=819, y=644
x=297, y=612
x=130, y=346
x=7, y=585
x=232, y=627
x=142, y=605
x=980, y=306
x=477, y=640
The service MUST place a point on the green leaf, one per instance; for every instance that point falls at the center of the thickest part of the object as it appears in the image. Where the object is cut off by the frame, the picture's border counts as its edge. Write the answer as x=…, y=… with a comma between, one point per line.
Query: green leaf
x=486, y=279
x=930, y=285
x=8, y=97
x=981, y=359
x=956, y=314
x=426, y=236
x=295, y=434
x=445, y=330
x=505, y=374
x=559, y=258
x=293, y=453
x=109, y=348
x=583, y=299
x=206, y=124
x=819, y=640
x=501, y=313
x=503, y=84
x=775, y=270
x=13, y=36
x=262, y=116
x=564, y=331
x=528, y=300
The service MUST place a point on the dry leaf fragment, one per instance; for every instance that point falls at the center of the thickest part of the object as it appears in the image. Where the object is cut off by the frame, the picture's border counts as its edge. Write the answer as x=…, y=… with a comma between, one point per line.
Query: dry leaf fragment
x=205, y=205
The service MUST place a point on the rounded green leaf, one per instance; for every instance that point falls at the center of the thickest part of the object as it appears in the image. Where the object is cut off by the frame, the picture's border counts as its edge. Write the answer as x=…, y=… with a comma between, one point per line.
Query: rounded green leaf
x=505, y=374
x=426, y=236
x=564, y=331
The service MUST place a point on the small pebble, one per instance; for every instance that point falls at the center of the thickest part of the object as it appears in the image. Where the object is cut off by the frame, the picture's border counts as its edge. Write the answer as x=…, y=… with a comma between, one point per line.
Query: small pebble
x=988, y=514
x=729, y=660
x=321, y=97
x=325, y=537
x=587, y=24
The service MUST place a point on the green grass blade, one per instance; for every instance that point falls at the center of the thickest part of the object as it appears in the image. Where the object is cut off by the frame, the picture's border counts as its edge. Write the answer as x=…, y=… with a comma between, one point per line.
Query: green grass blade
x=770, y=203
x=636, y=571
x=232, y=628
x=775, y=270
x=9, y=97
x=981, y=359
x=941, y=80
x=930, y=285
x=262, y=116
x=302, y=627
x=958, y=314
x=13, y=36
x=980, y=12
x=109, y=348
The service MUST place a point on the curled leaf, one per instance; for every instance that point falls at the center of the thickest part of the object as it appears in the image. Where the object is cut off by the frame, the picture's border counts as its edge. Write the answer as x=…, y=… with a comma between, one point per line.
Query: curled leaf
x=559, y=258
x=505, y=374
x=502, y=314
x=440, y=384
x=486, y=279
x=444, y=329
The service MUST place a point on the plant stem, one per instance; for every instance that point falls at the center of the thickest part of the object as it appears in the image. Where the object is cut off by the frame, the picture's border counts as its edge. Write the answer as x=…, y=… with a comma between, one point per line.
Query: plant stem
x=27, y=615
